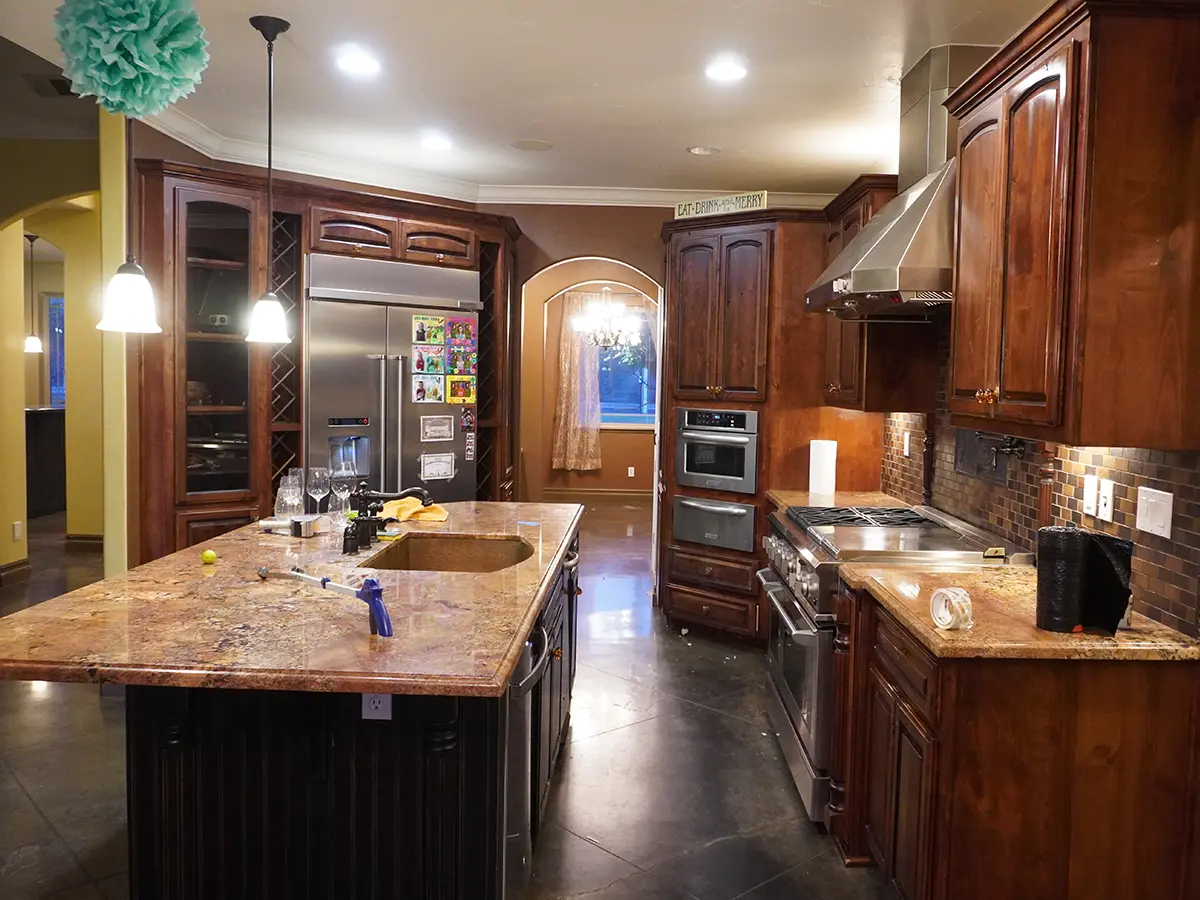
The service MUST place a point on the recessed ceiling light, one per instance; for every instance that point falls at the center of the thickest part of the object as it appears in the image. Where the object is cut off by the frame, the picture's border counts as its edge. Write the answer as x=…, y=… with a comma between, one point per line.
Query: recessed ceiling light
x=533, y=146
x=357, y=61
x=725, y=67
x=439, y=143
x=704, y=151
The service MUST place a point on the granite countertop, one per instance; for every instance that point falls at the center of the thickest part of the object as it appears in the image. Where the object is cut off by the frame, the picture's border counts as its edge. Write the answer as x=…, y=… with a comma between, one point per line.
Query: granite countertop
x=784, y=499
x=1004, y=602
x=175, y=621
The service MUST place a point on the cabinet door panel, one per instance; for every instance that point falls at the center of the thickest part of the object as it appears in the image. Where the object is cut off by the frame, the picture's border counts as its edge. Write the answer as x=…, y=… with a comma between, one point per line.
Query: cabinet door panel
x=850, y=363
x=833, y=326
x=1038, y=129
x=742, y=324
x=881, y=715
x=442, y=245
x=195, y=526
x=354, y=233
x=972, y=358
x=694, y=298
x=913, y=799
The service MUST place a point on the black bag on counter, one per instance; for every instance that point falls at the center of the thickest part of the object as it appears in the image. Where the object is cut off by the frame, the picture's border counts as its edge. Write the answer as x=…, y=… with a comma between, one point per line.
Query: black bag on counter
x=1082, y=579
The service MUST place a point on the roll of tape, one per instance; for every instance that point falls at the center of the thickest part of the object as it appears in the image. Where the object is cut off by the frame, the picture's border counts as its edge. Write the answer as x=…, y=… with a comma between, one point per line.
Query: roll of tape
x=951, y=608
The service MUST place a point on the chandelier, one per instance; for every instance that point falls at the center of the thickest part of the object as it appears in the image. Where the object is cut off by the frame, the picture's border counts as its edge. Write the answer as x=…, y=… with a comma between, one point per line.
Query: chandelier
x=606, y=325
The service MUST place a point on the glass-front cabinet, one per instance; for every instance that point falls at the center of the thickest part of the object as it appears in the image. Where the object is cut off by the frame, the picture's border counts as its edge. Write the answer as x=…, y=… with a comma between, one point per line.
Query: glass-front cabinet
x=219, y=271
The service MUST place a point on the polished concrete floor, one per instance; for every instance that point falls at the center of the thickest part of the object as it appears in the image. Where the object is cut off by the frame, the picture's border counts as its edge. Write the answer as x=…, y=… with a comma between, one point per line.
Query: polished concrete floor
x=671, y=787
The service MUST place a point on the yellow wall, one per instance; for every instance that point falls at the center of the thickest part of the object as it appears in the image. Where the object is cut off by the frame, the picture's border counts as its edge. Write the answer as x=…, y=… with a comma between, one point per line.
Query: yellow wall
x=115, y=409
x=12, y=392
x=77, y=234
x=47, y=279
x=35, y=171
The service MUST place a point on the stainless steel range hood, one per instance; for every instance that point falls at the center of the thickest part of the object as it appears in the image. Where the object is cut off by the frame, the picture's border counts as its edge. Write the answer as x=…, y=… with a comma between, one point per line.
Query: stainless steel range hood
x=902, y=262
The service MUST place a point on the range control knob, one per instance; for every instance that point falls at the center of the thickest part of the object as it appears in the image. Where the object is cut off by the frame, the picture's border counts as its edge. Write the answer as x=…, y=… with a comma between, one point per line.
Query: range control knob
x=810, y=585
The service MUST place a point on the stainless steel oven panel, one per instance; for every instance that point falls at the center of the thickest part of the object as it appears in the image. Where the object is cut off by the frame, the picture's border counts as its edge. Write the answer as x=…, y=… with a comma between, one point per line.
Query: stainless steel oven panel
x=800, y=659
x=716, y=523
x=812, y=785
x=686, y=418
x=741, y=478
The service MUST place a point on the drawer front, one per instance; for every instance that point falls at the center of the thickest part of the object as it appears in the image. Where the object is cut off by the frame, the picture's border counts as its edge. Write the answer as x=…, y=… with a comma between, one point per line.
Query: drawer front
x=915, y=670
x=705, y=571
x=356, y=234
x=716, y=523
x=740, y=616
x=443, y=245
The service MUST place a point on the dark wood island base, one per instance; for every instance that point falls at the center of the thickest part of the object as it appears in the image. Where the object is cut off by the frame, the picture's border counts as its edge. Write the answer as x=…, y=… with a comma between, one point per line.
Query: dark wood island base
x=280, y=794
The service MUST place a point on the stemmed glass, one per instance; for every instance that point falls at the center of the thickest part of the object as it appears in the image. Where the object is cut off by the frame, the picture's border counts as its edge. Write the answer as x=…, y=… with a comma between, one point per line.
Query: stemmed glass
x=343, y=484
x=318, y=485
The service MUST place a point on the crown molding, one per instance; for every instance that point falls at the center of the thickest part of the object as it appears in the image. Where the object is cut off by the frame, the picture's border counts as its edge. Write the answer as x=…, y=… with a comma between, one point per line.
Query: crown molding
x=202, y=139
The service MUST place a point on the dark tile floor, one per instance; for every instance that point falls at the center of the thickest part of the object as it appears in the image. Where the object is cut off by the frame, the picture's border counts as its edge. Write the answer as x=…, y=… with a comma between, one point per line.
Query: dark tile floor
x=671, y=787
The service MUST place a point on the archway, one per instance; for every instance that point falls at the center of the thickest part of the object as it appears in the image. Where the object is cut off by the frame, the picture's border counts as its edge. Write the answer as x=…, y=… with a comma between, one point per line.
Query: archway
x=541, y=317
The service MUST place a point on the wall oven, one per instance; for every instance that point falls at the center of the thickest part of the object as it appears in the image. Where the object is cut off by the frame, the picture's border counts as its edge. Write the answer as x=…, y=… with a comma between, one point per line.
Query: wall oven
x=717, y=449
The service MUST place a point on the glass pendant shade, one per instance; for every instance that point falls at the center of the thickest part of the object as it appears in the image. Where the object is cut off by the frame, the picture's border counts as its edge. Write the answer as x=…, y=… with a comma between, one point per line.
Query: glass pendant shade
x=129, y=302
x=268, y=324
x=33, y=343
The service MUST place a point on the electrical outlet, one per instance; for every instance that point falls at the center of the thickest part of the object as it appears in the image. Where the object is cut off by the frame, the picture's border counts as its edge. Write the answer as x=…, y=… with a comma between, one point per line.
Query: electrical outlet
x=1091, y=490
x=1154, y=510
x=18, y=530
x=1104, y=510
x=631, y=471
x=377, y=706
x=907, y=445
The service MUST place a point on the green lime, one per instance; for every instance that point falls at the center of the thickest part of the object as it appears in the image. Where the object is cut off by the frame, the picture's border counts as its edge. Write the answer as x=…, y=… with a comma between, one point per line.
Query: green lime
x=208, y=557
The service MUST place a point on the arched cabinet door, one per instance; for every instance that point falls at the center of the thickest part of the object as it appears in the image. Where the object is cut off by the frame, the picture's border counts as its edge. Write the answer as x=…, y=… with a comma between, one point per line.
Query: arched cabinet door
x=692, y=299
x=742, y=308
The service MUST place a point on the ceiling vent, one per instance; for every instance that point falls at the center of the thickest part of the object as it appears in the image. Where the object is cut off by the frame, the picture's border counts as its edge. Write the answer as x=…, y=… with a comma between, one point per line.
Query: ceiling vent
x=50, y=86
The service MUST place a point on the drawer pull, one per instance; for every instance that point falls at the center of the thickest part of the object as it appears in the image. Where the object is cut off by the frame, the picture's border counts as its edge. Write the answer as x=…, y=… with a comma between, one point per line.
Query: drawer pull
x=713, y=508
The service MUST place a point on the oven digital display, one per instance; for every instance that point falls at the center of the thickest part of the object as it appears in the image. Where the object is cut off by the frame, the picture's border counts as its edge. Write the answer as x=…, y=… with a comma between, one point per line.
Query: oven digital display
x=702, y=418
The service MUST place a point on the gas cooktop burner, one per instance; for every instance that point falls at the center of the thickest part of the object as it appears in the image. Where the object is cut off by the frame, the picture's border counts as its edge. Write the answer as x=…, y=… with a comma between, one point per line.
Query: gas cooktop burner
x=809, y=516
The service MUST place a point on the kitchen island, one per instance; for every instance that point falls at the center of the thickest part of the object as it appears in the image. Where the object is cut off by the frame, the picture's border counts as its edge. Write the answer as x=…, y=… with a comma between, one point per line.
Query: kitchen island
x=253, y=768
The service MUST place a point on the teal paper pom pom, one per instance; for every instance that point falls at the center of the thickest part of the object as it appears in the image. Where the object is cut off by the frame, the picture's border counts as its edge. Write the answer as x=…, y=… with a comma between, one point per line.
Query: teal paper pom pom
x=136, y=57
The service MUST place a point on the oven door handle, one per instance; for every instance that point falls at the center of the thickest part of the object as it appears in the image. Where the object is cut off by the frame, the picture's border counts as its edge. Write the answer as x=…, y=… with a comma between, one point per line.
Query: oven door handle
x=766, y=578
x=714, y=438
x=798, y=635
x=712, y=508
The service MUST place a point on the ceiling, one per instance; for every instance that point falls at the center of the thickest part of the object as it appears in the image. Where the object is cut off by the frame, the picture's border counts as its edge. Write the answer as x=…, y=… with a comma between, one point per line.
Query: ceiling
x=617, y=86
x=26, y=115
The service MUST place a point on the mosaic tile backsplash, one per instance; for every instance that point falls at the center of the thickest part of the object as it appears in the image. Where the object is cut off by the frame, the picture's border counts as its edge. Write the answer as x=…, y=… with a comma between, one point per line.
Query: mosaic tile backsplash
x=1166, y=572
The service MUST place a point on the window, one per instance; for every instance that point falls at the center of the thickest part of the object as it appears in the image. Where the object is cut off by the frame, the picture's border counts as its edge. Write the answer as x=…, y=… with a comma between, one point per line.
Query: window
x=56, y=355
x=628, y=378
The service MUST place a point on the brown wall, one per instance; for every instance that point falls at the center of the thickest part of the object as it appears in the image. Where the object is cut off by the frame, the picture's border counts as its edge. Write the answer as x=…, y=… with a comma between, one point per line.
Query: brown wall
x=619, y=449
x=1166, y=572
x=554, y=233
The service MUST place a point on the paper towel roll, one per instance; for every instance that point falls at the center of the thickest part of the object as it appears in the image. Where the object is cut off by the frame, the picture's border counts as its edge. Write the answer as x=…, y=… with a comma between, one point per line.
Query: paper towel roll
x=951, y=608
x=822, y=467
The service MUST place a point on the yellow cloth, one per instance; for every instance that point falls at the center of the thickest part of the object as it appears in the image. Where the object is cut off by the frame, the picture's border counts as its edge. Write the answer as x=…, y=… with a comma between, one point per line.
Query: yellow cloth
x=411, y=508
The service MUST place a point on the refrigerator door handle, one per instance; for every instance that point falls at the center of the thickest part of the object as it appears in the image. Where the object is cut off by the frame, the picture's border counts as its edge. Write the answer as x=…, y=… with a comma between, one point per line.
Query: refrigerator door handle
x=402, y=368
x=382, y=417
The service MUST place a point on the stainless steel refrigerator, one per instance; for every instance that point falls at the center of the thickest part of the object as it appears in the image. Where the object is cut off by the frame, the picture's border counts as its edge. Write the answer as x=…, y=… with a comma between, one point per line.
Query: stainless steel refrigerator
x=389, y=346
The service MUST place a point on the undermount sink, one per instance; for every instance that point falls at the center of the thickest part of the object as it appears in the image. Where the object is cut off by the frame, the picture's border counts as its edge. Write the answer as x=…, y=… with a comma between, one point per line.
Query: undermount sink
x=417, y=552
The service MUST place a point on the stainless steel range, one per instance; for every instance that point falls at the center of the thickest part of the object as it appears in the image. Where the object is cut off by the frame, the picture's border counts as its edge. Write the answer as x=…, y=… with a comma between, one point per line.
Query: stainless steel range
x=805, y=549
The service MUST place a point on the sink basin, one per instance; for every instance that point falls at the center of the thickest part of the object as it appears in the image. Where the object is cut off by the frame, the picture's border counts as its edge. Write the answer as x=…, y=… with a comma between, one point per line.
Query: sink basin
x=450, y=553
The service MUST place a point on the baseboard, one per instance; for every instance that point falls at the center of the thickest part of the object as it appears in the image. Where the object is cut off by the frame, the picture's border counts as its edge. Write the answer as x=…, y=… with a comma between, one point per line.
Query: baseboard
x=582, y=495
x=85, y=543
x=11, y=573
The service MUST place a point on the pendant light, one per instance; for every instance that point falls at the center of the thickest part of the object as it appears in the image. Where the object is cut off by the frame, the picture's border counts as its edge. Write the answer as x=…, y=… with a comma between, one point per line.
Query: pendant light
x=129, y=299
x=268, y=325
x=33, y=343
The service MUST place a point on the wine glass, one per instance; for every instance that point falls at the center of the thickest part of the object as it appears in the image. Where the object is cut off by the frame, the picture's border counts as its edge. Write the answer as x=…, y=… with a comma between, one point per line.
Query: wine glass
x=343, y=484
x=318, y=484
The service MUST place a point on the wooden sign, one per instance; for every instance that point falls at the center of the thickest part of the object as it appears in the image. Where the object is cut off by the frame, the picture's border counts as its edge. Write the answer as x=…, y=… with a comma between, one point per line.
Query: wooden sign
x=719, y=206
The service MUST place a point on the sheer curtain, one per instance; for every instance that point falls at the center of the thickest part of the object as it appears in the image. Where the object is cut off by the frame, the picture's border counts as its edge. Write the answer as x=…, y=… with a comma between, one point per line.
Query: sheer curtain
x=577, y=417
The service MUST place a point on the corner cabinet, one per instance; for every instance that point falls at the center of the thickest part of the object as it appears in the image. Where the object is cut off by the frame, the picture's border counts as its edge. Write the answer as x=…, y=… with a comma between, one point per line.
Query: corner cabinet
x=720, y=282
x=1072, y=298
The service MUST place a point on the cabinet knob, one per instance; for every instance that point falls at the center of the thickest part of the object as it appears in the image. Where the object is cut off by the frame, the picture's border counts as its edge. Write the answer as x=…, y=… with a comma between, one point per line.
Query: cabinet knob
x=979, y=396
x=719, y=390
x=704, y=608
x=557, y=653
x=441, y=257
x=708, y=570
x=993, y=395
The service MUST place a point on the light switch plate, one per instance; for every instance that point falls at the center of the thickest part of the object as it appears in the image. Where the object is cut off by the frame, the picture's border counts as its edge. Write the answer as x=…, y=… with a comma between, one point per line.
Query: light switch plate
x=1091, y=490
x=1104, y=511
x=631, y=470
x=907, y=445
x=1154, y=509
x=377, y=706
x=18, y=531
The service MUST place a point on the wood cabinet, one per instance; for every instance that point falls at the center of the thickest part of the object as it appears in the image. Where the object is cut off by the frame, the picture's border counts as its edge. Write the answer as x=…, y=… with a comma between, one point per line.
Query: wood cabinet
x=218, y=421
x=956, y=767
x=720, y=314
x=874, y=366
x=1074, y=313
x=738, y=615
